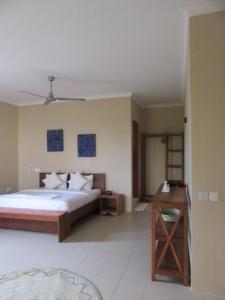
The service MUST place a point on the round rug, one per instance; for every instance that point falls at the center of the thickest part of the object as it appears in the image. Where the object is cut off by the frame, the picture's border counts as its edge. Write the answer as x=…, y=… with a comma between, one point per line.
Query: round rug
x=47, y=284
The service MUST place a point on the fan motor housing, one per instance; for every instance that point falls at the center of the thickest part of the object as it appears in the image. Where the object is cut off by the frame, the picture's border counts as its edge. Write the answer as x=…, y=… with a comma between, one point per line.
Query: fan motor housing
x=51, y=78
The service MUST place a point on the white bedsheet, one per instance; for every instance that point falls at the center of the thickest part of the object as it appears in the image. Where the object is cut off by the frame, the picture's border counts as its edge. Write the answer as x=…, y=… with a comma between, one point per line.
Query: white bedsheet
x=47, y=199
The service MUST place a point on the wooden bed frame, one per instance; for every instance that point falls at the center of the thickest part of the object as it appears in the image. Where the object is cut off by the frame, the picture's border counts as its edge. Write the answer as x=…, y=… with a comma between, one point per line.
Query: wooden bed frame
x=57, y=222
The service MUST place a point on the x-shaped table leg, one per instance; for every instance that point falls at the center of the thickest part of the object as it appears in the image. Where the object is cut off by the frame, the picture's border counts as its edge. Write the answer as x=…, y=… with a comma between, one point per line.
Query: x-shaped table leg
x=169, y=242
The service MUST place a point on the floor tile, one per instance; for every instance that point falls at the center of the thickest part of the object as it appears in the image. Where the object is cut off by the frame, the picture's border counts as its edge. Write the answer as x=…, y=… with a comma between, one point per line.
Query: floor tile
x=112, y=270
x=184, y=293
x=158, y=291
x=98, y=256
x=92, y=266
x=118, y=259
x=106, y=284
x=114, y=253
x=138, y=273
x=119, y=297
x=130, y=288
x=211, y=297
x=106, y=296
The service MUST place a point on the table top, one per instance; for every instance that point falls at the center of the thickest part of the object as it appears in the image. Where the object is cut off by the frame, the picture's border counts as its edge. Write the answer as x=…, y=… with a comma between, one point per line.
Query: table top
x=175, y=195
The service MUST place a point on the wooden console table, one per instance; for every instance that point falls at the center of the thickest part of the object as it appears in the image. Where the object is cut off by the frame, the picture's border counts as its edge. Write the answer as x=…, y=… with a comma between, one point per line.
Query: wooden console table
x=170, y=255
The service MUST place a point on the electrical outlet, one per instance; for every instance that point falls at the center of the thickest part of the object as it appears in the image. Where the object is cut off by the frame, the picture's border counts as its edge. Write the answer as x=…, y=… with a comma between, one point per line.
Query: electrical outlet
x=203, y=196
x=213, y=196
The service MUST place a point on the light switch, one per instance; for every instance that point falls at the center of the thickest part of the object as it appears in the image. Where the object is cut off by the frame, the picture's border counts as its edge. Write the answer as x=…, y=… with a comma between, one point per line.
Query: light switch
x=213, y=196
x=203, y=196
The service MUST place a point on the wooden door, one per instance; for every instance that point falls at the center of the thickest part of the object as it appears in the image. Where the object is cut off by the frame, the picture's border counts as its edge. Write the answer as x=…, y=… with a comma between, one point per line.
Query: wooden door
x=135, y=155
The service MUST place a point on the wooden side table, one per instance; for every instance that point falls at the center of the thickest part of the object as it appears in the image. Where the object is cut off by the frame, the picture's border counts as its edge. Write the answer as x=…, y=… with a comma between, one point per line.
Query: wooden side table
x=111, y=204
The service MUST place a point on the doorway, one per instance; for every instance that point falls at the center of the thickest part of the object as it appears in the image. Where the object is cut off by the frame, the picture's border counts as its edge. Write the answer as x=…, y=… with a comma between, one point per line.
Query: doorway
x=162, y=159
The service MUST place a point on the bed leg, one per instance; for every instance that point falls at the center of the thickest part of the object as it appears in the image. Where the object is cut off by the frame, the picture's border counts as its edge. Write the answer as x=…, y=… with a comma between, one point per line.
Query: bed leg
x=64, y=226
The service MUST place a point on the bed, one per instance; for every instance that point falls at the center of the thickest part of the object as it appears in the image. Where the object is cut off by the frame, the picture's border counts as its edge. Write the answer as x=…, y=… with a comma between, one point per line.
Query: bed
x=49, y=211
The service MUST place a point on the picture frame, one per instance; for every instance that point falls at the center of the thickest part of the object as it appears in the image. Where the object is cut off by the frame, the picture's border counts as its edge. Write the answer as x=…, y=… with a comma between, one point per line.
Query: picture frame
x=55, y=141
x=86, y=144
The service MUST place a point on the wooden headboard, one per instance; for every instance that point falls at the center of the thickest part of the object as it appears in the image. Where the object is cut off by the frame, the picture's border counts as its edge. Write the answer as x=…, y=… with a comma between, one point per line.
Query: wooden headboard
x=98, y=180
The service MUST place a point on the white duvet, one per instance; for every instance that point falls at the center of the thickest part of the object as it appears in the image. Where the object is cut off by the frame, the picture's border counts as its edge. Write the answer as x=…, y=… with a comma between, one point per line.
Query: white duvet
x=45, y=199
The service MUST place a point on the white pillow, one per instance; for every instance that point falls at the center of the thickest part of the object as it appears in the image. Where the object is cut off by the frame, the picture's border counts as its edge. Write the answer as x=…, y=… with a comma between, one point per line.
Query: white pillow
x=52, y=181
x=77, y=181
x=63, y=178
x=89, y=185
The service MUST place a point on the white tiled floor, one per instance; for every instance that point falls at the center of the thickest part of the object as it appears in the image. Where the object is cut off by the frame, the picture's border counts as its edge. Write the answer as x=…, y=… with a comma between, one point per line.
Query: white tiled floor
x=114, y=253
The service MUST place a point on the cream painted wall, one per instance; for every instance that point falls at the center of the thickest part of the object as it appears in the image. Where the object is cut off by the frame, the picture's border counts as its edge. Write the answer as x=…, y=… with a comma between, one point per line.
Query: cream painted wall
x=207, y=75
x=163, y=119
x=109, y=119
x=8, y=149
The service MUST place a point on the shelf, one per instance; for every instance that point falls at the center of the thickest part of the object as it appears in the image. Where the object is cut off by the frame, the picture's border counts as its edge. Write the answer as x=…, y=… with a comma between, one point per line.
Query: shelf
x=175, y=150
x=175, y=166
x=111, y=204
x=109, y=211
x=175, y=134
x=175, y=157
x=170, y=272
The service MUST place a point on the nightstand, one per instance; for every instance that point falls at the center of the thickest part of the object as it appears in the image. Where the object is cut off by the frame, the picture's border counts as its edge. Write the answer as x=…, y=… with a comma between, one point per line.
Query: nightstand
x=111, y=204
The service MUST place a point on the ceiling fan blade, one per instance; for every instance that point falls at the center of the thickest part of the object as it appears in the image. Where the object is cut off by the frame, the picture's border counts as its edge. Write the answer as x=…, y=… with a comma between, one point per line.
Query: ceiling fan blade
x=31, y=94
x=70, y=99
x=49, y=99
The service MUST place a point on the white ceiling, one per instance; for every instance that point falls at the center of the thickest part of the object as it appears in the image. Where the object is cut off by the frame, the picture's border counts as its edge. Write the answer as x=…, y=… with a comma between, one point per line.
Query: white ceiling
x=96, y=48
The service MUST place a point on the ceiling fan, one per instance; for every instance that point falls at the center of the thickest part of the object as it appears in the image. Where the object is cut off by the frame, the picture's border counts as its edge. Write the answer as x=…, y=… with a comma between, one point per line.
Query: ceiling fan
x=51, y=98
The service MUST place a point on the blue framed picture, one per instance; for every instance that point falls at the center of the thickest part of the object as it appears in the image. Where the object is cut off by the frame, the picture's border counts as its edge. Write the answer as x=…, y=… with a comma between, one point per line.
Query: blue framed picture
x=55, y=140
x=86, y=144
